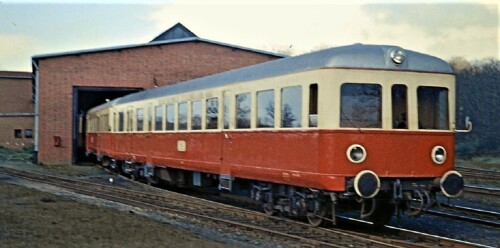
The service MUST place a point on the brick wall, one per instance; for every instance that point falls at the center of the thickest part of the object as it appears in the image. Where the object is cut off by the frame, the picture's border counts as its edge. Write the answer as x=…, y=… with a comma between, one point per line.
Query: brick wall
x=8, y=125
x=137, y=67
x=16, y=97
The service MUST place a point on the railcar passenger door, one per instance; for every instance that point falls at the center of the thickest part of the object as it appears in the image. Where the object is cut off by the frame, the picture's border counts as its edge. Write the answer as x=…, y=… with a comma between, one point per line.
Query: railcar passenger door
x=128, y=145
x=227, y=106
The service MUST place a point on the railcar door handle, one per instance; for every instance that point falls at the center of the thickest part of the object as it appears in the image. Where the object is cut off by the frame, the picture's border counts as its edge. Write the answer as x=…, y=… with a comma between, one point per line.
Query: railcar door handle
x=468, y=126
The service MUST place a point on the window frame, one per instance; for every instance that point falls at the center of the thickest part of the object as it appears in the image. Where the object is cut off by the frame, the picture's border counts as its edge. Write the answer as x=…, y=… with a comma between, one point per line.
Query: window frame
x=248, y=116
x=345, y=120
x=208, y=120
x=18, y=133
x=283, y=105
x=184, y=106
x=142, y=121
x=265, y=108
x=161, y=112
x=447, y=114
x=196, y=111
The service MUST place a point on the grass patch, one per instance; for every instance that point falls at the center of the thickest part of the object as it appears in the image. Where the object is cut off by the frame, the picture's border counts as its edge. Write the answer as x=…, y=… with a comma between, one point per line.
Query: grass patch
x=24, y=155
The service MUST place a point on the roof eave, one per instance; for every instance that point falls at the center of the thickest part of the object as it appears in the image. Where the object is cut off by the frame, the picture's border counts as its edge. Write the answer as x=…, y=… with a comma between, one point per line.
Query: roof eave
x=156, y=43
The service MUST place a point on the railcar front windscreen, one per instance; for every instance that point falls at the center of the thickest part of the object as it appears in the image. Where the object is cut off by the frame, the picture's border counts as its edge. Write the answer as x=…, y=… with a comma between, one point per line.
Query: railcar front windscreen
x=432, y=108
x=361, y=105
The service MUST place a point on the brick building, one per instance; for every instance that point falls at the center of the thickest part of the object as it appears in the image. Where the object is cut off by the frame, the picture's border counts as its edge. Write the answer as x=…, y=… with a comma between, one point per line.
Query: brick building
x=16, y=109
x=71, y=83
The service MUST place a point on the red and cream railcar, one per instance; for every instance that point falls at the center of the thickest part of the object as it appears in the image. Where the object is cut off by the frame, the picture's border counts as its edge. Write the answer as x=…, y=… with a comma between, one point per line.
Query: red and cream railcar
x=363, y=124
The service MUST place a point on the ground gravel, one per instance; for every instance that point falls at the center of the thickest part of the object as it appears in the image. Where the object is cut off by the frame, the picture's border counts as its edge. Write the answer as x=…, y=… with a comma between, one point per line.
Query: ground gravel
x=40, y=215
x=37, y=215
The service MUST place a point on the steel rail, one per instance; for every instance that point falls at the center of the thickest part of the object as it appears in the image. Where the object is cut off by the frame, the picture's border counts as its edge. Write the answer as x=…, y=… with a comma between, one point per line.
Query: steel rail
x=488, y=175
x=245, y=219
x=482, y=190
x=254, y=221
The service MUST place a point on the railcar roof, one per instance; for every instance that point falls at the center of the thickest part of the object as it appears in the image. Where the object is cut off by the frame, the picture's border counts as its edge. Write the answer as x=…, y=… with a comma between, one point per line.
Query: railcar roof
x=358, y=56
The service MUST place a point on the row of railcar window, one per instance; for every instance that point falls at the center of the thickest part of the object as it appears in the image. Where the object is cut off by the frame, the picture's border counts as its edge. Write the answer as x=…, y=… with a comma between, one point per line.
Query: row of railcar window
x=360, y=107
x=174, y=116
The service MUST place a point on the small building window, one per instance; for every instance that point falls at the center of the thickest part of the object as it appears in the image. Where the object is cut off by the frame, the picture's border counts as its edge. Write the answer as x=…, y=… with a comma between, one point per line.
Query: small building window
x=182, y=116
x=196, y=115
x=361, y=105
x=170, y=117
x=18, y=133
x=265, y=109
x=158, y=118
x=212, y=113
x=140, y=119
x=243, y=109
x=28, y=133
x=291, y=107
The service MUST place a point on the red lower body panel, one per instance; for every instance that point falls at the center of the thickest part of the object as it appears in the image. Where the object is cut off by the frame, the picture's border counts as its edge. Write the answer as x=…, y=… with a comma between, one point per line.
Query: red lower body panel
x=309, y=158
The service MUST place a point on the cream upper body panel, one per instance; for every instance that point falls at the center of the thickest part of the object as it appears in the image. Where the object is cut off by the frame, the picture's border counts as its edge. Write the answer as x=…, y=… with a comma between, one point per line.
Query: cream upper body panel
x=324, y=71
x=329, y=82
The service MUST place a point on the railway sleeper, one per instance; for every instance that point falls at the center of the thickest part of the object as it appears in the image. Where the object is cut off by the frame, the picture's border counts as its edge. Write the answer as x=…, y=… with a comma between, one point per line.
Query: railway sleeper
x=317, y=206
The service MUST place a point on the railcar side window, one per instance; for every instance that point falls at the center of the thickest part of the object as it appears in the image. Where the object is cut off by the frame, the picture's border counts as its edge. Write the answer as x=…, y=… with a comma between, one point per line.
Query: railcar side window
x=227, y=103
x=121, y=121
x=399, y=107
x=196, y=115
x=150, y=120
x=170, y=117
x=432, y=108
x=158, y=118
x=361, y=105
x=265, y=109
x=291, y=106
x=243, y=109
x=130, y=120
x=140, y=119
x=212, y=113
x=313, y=105
x=182, y=116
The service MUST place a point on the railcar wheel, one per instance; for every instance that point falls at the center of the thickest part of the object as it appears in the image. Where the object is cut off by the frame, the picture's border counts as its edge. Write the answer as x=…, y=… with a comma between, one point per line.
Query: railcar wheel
x=415, y=203
x=383, y=212
x=319, y=216
x=268, y=209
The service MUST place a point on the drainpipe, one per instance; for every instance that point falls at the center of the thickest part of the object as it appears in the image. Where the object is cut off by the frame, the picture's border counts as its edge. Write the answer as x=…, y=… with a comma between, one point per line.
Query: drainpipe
x=35, y=78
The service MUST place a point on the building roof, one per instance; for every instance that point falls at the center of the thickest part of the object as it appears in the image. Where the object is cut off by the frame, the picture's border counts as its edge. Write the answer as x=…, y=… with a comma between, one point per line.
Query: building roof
x=178, y=31
x=156, y=43
x=358, y=56
x=15, y=75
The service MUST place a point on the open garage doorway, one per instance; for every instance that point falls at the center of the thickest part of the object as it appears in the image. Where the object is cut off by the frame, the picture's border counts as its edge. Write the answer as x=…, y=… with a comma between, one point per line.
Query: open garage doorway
x=85, y=98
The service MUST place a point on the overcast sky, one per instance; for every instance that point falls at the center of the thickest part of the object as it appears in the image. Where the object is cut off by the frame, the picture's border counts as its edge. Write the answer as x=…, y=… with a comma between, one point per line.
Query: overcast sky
x=445, y=29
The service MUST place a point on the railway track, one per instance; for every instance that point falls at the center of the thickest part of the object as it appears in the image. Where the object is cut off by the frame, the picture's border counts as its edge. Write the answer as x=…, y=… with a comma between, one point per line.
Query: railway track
x=479, y=174
x=490, y=191
x=478, y=216
x=255, y=222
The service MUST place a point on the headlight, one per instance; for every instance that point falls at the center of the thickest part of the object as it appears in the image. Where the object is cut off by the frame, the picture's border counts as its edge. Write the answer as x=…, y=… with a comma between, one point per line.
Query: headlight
x=356, y=153
x=438, y=155
x=398, y=56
